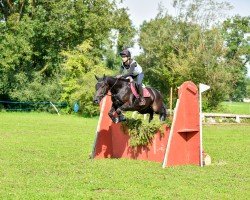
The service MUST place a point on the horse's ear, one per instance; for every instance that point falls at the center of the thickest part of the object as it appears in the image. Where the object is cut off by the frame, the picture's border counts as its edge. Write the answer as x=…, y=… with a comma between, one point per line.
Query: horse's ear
x=96, y=77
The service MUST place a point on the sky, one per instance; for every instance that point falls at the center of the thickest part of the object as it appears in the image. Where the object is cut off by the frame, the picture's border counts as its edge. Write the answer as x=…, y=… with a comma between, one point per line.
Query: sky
x=144, y=10
x=141, y=10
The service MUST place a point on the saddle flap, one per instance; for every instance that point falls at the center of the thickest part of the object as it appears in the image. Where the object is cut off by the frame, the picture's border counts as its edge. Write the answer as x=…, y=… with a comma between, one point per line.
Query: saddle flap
x=134, y=91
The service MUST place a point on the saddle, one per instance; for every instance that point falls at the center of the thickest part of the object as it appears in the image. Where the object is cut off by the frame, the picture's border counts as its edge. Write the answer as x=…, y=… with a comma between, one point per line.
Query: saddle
x=134, y=91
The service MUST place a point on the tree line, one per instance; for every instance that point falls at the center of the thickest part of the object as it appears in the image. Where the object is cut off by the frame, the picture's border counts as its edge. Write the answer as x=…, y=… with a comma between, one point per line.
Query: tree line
x=50, y=50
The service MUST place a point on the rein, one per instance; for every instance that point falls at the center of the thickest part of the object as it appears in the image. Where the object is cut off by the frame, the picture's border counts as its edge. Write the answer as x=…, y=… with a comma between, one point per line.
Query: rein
x=113, y=86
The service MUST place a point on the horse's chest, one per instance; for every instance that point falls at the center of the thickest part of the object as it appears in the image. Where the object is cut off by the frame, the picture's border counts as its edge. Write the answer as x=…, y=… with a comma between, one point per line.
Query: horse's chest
x=121, y=97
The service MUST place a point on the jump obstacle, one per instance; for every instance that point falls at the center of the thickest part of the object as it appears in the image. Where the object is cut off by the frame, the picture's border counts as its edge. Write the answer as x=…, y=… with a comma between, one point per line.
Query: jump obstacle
x=180, y=145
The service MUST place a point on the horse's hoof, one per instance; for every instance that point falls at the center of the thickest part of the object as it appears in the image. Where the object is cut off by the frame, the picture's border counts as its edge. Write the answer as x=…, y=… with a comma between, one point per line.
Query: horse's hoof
x=116, y=120
x=122, y=118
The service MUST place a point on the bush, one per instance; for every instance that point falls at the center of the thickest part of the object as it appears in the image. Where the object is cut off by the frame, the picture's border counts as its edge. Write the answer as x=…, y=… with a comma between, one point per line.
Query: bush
x=141, y=132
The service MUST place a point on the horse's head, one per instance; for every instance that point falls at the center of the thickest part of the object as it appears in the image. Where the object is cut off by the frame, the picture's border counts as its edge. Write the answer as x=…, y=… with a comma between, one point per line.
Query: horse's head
x=101, y=88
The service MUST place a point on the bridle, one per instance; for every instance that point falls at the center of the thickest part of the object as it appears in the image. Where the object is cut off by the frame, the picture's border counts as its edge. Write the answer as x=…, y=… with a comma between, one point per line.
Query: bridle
x=103, y=95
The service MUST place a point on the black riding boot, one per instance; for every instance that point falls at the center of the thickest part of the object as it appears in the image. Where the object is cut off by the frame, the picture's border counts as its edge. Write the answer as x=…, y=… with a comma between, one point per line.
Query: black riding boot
x=141, y=98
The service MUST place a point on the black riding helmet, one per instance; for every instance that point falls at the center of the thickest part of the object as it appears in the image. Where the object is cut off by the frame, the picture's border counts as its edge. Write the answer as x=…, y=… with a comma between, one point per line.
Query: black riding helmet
x=125, y=52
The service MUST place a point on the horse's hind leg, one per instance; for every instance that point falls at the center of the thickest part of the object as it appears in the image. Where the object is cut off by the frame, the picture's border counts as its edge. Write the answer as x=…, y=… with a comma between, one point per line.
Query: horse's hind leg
x=163, y=113
x=151, y=115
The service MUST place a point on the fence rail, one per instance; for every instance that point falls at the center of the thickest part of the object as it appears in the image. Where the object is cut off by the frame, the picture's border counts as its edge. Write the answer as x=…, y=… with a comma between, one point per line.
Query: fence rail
x=237, y=117
x=30, y=105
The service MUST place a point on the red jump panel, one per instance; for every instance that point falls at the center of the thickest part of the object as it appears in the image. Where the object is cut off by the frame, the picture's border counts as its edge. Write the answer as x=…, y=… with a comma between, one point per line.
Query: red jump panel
x=180, y=145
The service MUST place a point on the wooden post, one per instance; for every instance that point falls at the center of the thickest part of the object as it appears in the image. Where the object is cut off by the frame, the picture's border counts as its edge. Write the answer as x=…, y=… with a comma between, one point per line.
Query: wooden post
x=171, y=101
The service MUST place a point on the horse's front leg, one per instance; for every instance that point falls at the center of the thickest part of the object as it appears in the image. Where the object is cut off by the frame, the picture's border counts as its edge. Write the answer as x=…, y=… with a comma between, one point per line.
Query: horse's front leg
x=115, y=119
x=111, y=114
x=124, y=107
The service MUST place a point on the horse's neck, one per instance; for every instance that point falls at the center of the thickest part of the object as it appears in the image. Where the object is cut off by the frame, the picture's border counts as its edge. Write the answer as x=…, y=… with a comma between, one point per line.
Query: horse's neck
x=115, y=84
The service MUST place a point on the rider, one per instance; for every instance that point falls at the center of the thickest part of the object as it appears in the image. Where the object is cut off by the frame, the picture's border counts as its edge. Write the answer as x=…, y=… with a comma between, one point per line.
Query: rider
x=132, y=70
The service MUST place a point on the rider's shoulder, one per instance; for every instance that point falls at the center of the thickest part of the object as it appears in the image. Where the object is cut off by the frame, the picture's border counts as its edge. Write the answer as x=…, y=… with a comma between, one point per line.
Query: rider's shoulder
x=133, y=63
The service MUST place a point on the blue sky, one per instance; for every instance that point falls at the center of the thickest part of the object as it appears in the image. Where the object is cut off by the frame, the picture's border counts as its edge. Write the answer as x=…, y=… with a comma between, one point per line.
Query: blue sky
x=144, y=10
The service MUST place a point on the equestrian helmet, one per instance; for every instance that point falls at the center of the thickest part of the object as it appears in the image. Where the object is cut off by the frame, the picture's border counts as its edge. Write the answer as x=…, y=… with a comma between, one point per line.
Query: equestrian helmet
x=125, y=52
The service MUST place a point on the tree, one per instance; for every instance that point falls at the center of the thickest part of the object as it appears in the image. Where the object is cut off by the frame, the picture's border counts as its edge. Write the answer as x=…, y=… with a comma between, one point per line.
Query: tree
x=236, y=35
x=15, y=55
x=34, y=33
x=176, y=49
x=248, y=88
x=121, y=36
x=9, y=7
x=78, y=81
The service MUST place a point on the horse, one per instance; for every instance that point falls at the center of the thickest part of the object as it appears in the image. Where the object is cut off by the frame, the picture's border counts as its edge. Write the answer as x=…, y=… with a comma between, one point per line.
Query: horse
x=124, y=100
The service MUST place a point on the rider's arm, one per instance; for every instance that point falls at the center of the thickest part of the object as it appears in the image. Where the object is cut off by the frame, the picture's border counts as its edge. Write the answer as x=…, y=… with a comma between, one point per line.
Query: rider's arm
x=120, y=72
x=131, y=71
x=121, y=69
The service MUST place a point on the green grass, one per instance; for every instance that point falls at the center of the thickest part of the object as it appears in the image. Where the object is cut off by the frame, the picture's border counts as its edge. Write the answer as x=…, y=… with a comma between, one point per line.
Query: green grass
x=44, y=156
x=236, y=107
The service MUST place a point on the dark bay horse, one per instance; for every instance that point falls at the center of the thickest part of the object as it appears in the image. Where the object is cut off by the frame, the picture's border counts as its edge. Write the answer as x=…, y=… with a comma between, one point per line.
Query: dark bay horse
x=124, y=100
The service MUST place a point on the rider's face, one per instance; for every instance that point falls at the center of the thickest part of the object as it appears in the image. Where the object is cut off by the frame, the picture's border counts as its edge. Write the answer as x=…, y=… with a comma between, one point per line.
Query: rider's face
x=124, y=58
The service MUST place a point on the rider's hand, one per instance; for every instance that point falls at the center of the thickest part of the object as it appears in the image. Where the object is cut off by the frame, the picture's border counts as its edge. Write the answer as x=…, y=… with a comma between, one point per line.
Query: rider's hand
x=130, y=78
x=119, y=76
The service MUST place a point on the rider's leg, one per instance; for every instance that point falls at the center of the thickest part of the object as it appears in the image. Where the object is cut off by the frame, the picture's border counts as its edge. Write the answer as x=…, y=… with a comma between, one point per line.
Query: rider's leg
x=140, y=89
x=141, y=98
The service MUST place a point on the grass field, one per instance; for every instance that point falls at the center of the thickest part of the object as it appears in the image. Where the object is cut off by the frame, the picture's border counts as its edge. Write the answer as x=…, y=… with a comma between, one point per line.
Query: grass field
x=45, y=156
x=236, y=107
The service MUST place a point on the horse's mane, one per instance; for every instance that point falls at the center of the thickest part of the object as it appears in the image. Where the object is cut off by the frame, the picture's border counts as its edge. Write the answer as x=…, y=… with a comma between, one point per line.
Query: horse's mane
x=120, y=79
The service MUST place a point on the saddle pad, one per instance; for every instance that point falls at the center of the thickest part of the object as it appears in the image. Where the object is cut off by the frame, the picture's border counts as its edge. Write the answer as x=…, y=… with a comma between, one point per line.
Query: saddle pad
x=134, y=91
